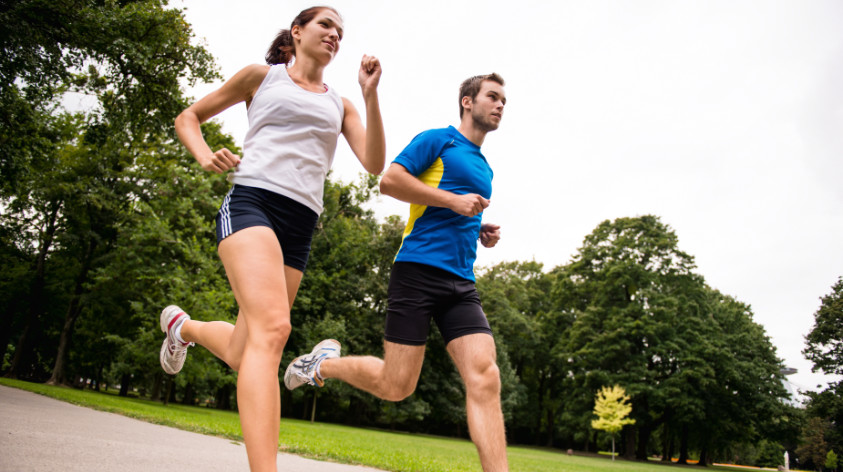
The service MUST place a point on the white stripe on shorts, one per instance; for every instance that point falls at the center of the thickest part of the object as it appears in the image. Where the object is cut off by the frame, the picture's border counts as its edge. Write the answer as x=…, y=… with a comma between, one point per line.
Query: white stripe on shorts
x=225, y=215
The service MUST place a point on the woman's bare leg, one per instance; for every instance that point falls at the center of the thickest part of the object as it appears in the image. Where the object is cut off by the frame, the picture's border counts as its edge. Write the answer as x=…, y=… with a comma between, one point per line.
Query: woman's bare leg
x=226, y=340
x=264, y=289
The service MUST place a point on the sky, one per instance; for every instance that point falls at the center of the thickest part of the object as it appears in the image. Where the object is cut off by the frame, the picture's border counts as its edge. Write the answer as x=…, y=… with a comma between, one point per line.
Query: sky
x=722, y=117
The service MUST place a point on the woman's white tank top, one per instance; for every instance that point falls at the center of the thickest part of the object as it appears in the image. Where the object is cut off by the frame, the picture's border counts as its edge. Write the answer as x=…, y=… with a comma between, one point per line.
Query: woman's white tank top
x=291, y=141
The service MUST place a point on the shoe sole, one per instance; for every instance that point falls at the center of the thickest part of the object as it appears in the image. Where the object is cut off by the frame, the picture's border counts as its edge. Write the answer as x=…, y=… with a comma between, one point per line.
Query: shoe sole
x=164, y=365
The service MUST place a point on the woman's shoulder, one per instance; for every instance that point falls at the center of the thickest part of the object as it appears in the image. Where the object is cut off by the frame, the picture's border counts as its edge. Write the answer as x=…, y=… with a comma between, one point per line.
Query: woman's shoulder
x=246, y=82
x=253, y=72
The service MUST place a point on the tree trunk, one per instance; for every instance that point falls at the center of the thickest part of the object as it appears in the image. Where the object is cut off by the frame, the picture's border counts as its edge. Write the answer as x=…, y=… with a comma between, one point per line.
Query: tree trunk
x=99, y=377
x=73, y=312
x=74, y=309
x=704, y=456
x=313, y=409
x=36, y=295
x=224, y=397
x=643, y=441
x=125, y=380
x=21, y=347
x=667, y=444
x=155, y=394
x=683, y=446
x=187, y=397
x=6, y=329
x=539, y=409
x=629, y=446
x=171, y=390
x=168, y=391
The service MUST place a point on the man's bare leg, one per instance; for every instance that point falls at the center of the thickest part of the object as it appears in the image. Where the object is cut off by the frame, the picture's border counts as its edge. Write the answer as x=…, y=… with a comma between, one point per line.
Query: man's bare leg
x=475, y=358
x=392, y=378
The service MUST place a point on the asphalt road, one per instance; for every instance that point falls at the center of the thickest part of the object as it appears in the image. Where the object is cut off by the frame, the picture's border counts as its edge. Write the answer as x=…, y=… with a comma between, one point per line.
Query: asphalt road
x=38, y=433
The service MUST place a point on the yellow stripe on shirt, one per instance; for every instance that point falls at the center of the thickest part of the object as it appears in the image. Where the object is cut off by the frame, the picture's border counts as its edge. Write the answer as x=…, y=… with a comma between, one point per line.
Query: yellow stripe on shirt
x=430, y=177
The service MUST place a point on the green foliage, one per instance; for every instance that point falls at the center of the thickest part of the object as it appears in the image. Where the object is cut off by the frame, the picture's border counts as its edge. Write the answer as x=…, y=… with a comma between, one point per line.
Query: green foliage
x=770, y=454
x=632, y=311
x=827, y=407
x=514, y=296
x=77, y=183
x=824, y=347
x=825, y=340
x=813, y=449
x=831, y=460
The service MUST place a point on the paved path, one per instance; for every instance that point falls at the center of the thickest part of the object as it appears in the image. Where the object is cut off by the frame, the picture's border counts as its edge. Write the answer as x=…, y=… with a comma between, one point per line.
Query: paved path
x=38, y=433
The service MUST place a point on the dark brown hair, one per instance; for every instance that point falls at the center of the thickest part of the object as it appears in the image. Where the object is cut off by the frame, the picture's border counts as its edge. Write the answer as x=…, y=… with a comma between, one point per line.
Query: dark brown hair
x=471, y=86
x=282, y=49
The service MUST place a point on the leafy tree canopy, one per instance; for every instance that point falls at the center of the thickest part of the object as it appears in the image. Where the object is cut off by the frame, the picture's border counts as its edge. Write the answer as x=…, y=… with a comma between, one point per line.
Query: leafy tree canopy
x=611, y=406
x=825, y=340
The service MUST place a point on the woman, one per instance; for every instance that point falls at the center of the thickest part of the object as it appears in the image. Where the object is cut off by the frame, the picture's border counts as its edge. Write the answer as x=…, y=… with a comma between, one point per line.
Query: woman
x=266, y=221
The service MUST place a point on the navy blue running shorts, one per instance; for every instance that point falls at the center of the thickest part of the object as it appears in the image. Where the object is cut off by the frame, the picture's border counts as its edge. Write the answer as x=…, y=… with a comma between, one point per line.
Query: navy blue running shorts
x=292, y=222
x=419, y=292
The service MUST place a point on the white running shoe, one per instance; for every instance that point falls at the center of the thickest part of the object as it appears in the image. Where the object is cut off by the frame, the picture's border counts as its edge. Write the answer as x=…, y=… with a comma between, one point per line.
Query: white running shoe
x=303, y=369
x=173, y=352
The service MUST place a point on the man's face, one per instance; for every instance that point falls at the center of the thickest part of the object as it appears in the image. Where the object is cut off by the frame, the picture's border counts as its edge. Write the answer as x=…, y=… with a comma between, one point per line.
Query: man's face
x=487, y=107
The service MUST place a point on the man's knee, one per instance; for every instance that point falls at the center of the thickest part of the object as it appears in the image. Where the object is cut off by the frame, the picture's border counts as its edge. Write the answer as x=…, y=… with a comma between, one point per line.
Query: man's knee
x=485, y=382
x=396, y=391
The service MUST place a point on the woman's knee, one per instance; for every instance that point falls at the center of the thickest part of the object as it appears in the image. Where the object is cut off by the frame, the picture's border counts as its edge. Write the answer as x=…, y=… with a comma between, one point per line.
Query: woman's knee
x=271, y=335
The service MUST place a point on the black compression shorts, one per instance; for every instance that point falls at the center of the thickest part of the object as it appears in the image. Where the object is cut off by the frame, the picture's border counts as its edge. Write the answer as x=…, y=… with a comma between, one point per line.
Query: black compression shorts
x=419, y=292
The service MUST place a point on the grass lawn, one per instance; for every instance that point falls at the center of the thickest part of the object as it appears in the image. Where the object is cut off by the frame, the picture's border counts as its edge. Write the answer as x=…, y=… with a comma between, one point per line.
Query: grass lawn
x=374, y=448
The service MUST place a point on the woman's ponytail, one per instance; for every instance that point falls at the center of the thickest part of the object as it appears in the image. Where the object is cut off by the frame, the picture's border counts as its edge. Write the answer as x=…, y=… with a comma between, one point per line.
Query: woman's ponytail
x=282, y=50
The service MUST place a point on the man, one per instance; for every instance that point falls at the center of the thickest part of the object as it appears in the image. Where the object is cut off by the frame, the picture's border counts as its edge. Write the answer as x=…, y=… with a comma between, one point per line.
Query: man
x=448, y=183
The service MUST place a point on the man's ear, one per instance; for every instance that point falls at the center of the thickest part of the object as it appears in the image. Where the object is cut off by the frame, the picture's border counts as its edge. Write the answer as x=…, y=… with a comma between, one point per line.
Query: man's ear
x=467, y=102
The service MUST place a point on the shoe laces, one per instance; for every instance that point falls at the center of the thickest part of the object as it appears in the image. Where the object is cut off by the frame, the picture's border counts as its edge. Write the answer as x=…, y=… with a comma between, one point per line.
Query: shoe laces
x=307, y=365
x=177, y=349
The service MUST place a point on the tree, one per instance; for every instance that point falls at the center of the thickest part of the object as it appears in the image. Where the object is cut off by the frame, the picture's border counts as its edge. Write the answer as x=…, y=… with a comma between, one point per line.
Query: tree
x=831, y=461
x=67, y=182
x=770, y=454
x=825, y=340
x=612, y=409
x=814, y=448
x=629, y=310
x=625, y=297
x=824, y=347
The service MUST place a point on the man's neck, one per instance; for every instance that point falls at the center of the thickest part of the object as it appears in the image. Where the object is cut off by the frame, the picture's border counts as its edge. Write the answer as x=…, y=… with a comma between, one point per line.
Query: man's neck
x=471, y=132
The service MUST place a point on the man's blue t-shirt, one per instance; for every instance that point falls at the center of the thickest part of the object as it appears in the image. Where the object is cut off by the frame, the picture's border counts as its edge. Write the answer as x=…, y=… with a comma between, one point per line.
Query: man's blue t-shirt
x=439, y=237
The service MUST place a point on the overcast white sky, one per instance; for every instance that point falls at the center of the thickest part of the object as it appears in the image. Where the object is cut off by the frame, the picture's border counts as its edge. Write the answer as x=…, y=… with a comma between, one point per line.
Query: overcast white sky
x=722, y=117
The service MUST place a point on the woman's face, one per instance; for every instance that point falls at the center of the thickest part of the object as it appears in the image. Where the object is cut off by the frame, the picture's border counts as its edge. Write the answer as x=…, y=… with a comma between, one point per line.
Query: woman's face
x=321, y=36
